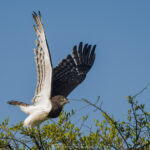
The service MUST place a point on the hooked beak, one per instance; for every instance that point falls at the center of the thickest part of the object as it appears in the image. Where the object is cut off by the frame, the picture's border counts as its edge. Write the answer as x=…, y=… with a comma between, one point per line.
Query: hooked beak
x=66, y=101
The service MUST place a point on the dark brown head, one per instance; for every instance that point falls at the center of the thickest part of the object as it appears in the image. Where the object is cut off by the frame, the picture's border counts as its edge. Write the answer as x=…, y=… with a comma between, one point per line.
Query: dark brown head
x=59, y=100
x=57, y=105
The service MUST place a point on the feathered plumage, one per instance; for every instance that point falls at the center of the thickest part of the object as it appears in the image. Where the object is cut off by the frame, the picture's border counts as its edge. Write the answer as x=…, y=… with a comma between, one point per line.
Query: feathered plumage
x=72, y=71
x=54, y=84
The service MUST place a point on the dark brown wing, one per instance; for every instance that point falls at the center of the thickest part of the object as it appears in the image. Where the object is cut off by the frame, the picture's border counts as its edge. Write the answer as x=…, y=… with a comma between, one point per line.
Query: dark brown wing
x=71, y=71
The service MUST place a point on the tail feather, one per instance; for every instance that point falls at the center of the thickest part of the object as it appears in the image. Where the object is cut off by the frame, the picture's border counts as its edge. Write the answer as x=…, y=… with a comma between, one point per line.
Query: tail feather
x=17, y=103
x=26, y=108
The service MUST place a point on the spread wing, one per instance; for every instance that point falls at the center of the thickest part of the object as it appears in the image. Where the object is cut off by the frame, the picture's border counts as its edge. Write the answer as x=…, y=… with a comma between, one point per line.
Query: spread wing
x=43, y=61
x=71, y=71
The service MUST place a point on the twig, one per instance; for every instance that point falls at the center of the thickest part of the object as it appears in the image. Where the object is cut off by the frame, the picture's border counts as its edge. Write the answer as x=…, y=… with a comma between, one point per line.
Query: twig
x=109, y=119
x=5, y=146
x=136, y=124
x=40, y=138
x=16, y=141
x=147, y=144
x=11, y=135
x=141, y=91
x=35, y=140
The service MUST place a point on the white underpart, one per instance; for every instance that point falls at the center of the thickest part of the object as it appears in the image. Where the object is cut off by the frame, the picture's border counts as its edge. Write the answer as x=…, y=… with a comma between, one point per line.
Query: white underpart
x=37, y=112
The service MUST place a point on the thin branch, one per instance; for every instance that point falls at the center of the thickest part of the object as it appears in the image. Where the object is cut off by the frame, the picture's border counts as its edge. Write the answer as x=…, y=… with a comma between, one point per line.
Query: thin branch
x=136, y=123
x=14, y=139
x=6, y=146
x=142, y=147
x=109, y=119
x=41, y=142
x=141, y=91
x=11, y=135
x=35, y=140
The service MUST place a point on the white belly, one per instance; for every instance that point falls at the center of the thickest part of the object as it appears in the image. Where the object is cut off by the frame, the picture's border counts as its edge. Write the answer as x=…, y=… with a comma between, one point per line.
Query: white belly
x=37, y=112
x=35, y=119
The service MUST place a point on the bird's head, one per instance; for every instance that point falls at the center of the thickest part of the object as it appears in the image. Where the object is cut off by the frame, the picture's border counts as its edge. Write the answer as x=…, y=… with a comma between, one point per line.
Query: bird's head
x=61, y=100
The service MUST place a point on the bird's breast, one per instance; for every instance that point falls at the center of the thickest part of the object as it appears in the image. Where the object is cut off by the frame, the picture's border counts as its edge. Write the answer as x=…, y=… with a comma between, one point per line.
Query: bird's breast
x=55, y=112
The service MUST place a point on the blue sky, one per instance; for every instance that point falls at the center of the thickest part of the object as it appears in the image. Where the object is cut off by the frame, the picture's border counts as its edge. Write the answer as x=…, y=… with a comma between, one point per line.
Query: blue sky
x=120, y=29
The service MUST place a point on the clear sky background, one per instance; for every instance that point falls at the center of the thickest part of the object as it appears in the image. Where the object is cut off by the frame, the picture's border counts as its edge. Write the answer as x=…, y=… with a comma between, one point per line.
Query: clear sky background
x=120, y=29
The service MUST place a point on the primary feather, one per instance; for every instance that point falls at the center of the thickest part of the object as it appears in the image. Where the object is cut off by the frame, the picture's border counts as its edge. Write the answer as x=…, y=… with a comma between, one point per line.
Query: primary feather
x=71, y=71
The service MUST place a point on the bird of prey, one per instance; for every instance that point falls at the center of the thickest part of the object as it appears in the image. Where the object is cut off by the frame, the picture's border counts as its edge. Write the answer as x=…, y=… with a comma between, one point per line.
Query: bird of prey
x=54, y=84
